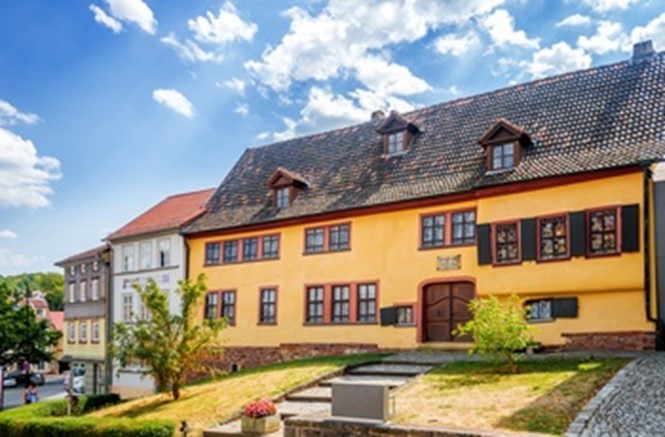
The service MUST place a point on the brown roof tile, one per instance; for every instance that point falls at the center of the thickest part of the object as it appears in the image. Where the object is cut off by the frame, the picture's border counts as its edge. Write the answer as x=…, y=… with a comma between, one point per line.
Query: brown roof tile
x=88, y=254
x=605, y=117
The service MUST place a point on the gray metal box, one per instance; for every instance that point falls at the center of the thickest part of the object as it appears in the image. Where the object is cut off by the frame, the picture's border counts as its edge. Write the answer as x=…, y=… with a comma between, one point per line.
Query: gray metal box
x=361, y=401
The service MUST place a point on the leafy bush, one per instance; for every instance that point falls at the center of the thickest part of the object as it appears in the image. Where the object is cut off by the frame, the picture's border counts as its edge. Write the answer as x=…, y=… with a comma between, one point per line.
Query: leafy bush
x=48, y=419
x=498, y=330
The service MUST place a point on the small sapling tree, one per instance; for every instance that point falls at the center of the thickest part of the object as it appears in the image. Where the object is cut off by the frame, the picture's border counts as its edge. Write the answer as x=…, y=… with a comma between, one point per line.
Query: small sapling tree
x=498, y=330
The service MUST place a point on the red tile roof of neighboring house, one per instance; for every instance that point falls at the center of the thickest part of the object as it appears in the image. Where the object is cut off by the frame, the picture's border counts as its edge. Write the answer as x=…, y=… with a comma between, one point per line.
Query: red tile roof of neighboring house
x=84, y=255
x=57, y=319
x=170, y=213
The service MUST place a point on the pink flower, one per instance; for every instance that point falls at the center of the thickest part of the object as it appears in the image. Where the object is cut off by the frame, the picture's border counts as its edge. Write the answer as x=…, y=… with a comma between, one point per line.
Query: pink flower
x=258, y=409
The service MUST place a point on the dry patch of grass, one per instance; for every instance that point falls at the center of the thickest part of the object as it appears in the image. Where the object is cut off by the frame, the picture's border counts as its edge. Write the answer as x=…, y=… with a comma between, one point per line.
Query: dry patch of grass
x=203, y=405
x=544, y=396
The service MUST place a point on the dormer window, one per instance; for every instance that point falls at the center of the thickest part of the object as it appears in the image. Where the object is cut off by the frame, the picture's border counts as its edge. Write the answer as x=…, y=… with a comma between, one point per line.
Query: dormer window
x=504, y=145
x=282, y=197
x=397, y=133
x=285, y=186
x=503, y=156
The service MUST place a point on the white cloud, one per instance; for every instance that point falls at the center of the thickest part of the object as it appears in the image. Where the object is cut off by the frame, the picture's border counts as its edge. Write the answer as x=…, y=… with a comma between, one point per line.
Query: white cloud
x=174, y=100
x=287, y=133
x=559, y=58
x=7, y=234
x=242, y=109
x=457, y=44
x=607, y=5
x=24, y=176
x=9, y=259
x=332, y=43
x=574, y=20
x=190, y=51
x=501, y=27
x=385, y=78
x=263, y=136
x=654, y=30
x=236, y=85
x=134, y=11
x=106, y=20
x=226, y=27
x=609, y=37
x=9, y=115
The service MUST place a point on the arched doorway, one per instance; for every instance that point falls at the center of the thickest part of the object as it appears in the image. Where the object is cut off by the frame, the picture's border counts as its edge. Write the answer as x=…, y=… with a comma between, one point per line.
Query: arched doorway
x=445, y=306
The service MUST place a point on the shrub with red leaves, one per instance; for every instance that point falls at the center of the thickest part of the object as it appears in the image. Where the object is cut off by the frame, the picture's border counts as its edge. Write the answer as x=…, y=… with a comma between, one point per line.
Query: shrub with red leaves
x=258, y=409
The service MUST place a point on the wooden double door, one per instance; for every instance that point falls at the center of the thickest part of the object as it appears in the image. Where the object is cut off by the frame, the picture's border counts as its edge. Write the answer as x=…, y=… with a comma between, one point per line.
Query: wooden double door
x=445, y=306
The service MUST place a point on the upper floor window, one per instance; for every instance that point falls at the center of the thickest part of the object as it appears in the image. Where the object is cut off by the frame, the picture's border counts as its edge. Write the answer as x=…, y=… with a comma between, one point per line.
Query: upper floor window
x=146, y=255
x=328, y=238
x=503, y=156
x=440, y=229
x=164, y=247
x=71, y=291
x=339, y=237
x=231, y=251
x=95, y=265
x=72, y=270
x=433, y=230
x=127, y=307
x=83, y=291
x=506, y=243
x=282, y=197
x=83, y=332
x=250, y=249
x=553, y=237
x=83, y=267
x=270, y=247
x=71, y=332
x=94, y=292
x=464, y=227
x=212, y=255
x=314, y=240
x=127, y=253
x=603, y=231
x=285, y=185
x=395, y=143
x=94, y=334
x=397, y=133
x=268, y=309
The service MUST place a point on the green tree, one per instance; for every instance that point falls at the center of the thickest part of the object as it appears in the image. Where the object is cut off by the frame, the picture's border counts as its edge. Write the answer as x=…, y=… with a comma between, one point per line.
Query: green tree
x=22, y=335
x=53, y=285
x=498, y=330
x=171, y=346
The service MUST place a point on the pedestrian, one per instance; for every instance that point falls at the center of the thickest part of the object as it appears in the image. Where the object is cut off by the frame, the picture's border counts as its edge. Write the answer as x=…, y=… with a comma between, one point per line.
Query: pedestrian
x=30, y=394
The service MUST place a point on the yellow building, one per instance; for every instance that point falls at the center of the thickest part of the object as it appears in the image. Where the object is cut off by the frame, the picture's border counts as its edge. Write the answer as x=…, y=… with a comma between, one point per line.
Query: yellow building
x=379, y=234
x=87, y=277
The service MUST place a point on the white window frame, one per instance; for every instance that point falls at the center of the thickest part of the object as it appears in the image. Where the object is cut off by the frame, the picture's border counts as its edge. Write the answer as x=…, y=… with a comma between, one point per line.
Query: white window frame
x=94, y=331
x=83, y=291
x=164, y=252
x=145, y=255
x=71, y=332
x=71, y=291
x=127, y=307
x=83, y=331
x=94, y=289
x=127, y=257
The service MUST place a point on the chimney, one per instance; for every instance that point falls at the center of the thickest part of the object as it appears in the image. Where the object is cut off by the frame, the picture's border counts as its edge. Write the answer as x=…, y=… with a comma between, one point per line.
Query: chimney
x=642, y=51
x=377, y=115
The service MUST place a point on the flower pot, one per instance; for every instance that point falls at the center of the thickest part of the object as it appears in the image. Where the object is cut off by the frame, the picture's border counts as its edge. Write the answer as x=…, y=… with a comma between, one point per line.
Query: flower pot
x=261, y=425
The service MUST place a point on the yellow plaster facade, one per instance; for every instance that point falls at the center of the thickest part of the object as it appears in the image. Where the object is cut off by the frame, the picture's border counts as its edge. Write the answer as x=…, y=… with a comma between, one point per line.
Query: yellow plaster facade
x=385, y=250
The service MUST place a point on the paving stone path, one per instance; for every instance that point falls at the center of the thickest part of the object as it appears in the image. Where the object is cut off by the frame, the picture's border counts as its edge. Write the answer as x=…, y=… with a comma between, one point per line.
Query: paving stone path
x=632, y=404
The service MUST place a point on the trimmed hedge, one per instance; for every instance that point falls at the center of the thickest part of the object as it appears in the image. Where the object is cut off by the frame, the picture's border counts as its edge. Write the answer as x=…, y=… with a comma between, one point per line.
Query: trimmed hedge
x=49, y=419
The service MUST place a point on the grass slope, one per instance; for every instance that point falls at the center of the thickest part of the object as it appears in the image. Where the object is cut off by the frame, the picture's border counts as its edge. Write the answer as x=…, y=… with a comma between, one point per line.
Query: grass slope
x=205, y=404
x=544, y=396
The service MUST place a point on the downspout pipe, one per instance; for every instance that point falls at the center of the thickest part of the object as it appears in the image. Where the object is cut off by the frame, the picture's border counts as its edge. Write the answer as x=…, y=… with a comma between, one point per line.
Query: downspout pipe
x=648, y=174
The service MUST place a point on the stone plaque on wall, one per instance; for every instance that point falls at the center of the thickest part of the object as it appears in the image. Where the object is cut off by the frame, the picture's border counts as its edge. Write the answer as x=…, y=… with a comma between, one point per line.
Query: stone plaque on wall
x=453, y=262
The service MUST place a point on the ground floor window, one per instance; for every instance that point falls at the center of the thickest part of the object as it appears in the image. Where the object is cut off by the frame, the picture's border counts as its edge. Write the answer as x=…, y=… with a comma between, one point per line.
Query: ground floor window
x=315, y=304
x=539, y=310
x=366, y=302
x=228, y=309
x=268, y=311
x=342, y=303
x=405, y=315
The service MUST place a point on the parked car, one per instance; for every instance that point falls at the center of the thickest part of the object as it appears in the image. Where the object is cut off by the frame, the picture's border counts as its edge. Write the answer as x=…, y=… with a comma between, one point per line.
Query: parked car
x=22, y=378
x=9, y=382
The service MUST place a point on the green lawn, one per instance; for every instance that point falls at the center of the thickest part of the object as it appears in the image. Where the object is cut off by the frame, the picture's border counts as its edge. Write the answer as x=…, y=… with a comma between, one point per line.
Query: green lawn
x=544, y=396
x=206, y=404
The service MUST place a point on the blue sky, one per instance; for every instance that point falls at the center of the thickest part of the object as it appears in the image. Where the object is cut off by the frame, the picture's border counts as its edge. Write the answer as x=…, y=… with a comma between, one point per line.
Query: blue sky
x=106, y=107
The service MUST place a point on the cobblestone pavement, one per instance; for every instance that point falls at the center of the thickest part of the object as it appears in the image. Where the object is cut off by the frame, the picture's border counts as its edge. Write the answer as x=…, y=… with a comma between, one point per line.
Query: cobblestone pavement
x=632, y=404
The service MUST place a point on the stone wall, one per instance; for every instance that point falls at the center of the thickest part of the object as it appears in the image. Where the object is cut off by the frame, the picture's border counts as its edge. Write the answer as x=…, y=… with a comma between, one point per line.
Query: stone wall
x=317, y=427
x=241, y=357
x=617, y=341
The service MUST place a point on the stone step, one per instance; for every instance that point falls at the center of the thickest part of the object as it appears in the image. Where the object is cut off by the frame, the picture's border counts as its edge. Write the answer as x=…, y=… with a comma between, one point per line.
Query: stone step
x=428, y=358
x=297, y=408
x=390, y=381
x=391, y=369
x=233, y=430
x=314, y=394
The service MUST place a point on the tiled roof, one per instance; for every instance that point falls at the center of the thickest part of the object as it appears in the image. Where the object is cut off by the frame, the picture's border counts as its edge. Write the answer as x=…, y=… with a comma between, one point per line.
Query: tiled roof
x=171, y=213
x=601, y=118
x=88, y=254
x=57, y=319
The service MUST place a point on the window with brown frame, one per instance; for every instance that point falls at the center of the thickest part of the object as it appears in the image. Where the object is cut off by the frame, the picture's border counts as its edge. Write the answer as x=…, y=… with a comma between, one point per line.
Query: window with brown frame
x=395, y=142
x=341, y=298
x=329, y=238
x=250, y=249
x=339, y=236
x=463, y=227
x=366, y=303
x=603, y=231
x=268, y=310
x=270, y=249
x=405, y=315
x=228, y=307
x=433, y=230
x=553, y=238
x=212, y=255
x=314, y=240
x=283, y=197
x=315, y=304
x=211, y=306
x=230, y=251
x=506, y=243
x=503, y=156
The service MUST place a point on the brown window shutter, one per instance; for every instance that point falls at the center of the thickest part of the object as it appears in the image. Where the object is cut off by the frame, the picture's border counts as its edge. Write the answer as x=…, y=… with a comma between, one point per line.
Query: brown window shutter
x=566, y=307
x=630, y=228
x=578, y=233
x=388, y=316
x=528, y=242
x=484, y=244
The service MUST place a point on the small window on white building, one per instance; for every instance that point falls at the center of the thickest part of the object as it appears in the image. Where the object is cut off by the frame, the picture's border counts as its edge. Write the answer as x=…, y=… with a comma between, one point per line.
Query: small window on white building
x=127, y=258
x=94, y=292
x=83, y=267
x=164, y=252
x=71, y=292
x=146, y=255
x=127, y=307
x=83, y=291
x=95, y=265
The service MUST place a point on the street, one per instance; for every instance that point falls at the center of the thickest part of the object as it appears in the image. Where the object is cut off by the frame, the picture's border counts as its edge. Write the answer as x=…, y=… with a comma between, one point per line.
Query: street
x=51, y=389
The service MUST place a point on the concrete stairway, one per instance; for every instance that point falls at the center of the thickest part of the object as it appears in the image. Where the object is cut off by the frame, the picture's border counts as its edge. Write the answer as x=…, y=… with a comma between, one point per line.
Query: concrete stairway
x=394, y=371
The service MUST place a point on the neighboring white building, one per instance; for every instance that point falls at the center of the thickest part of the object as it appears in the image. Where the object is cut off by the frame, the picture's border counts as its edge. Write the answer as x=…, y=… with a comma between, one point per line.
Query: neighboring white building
x=150, y=246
